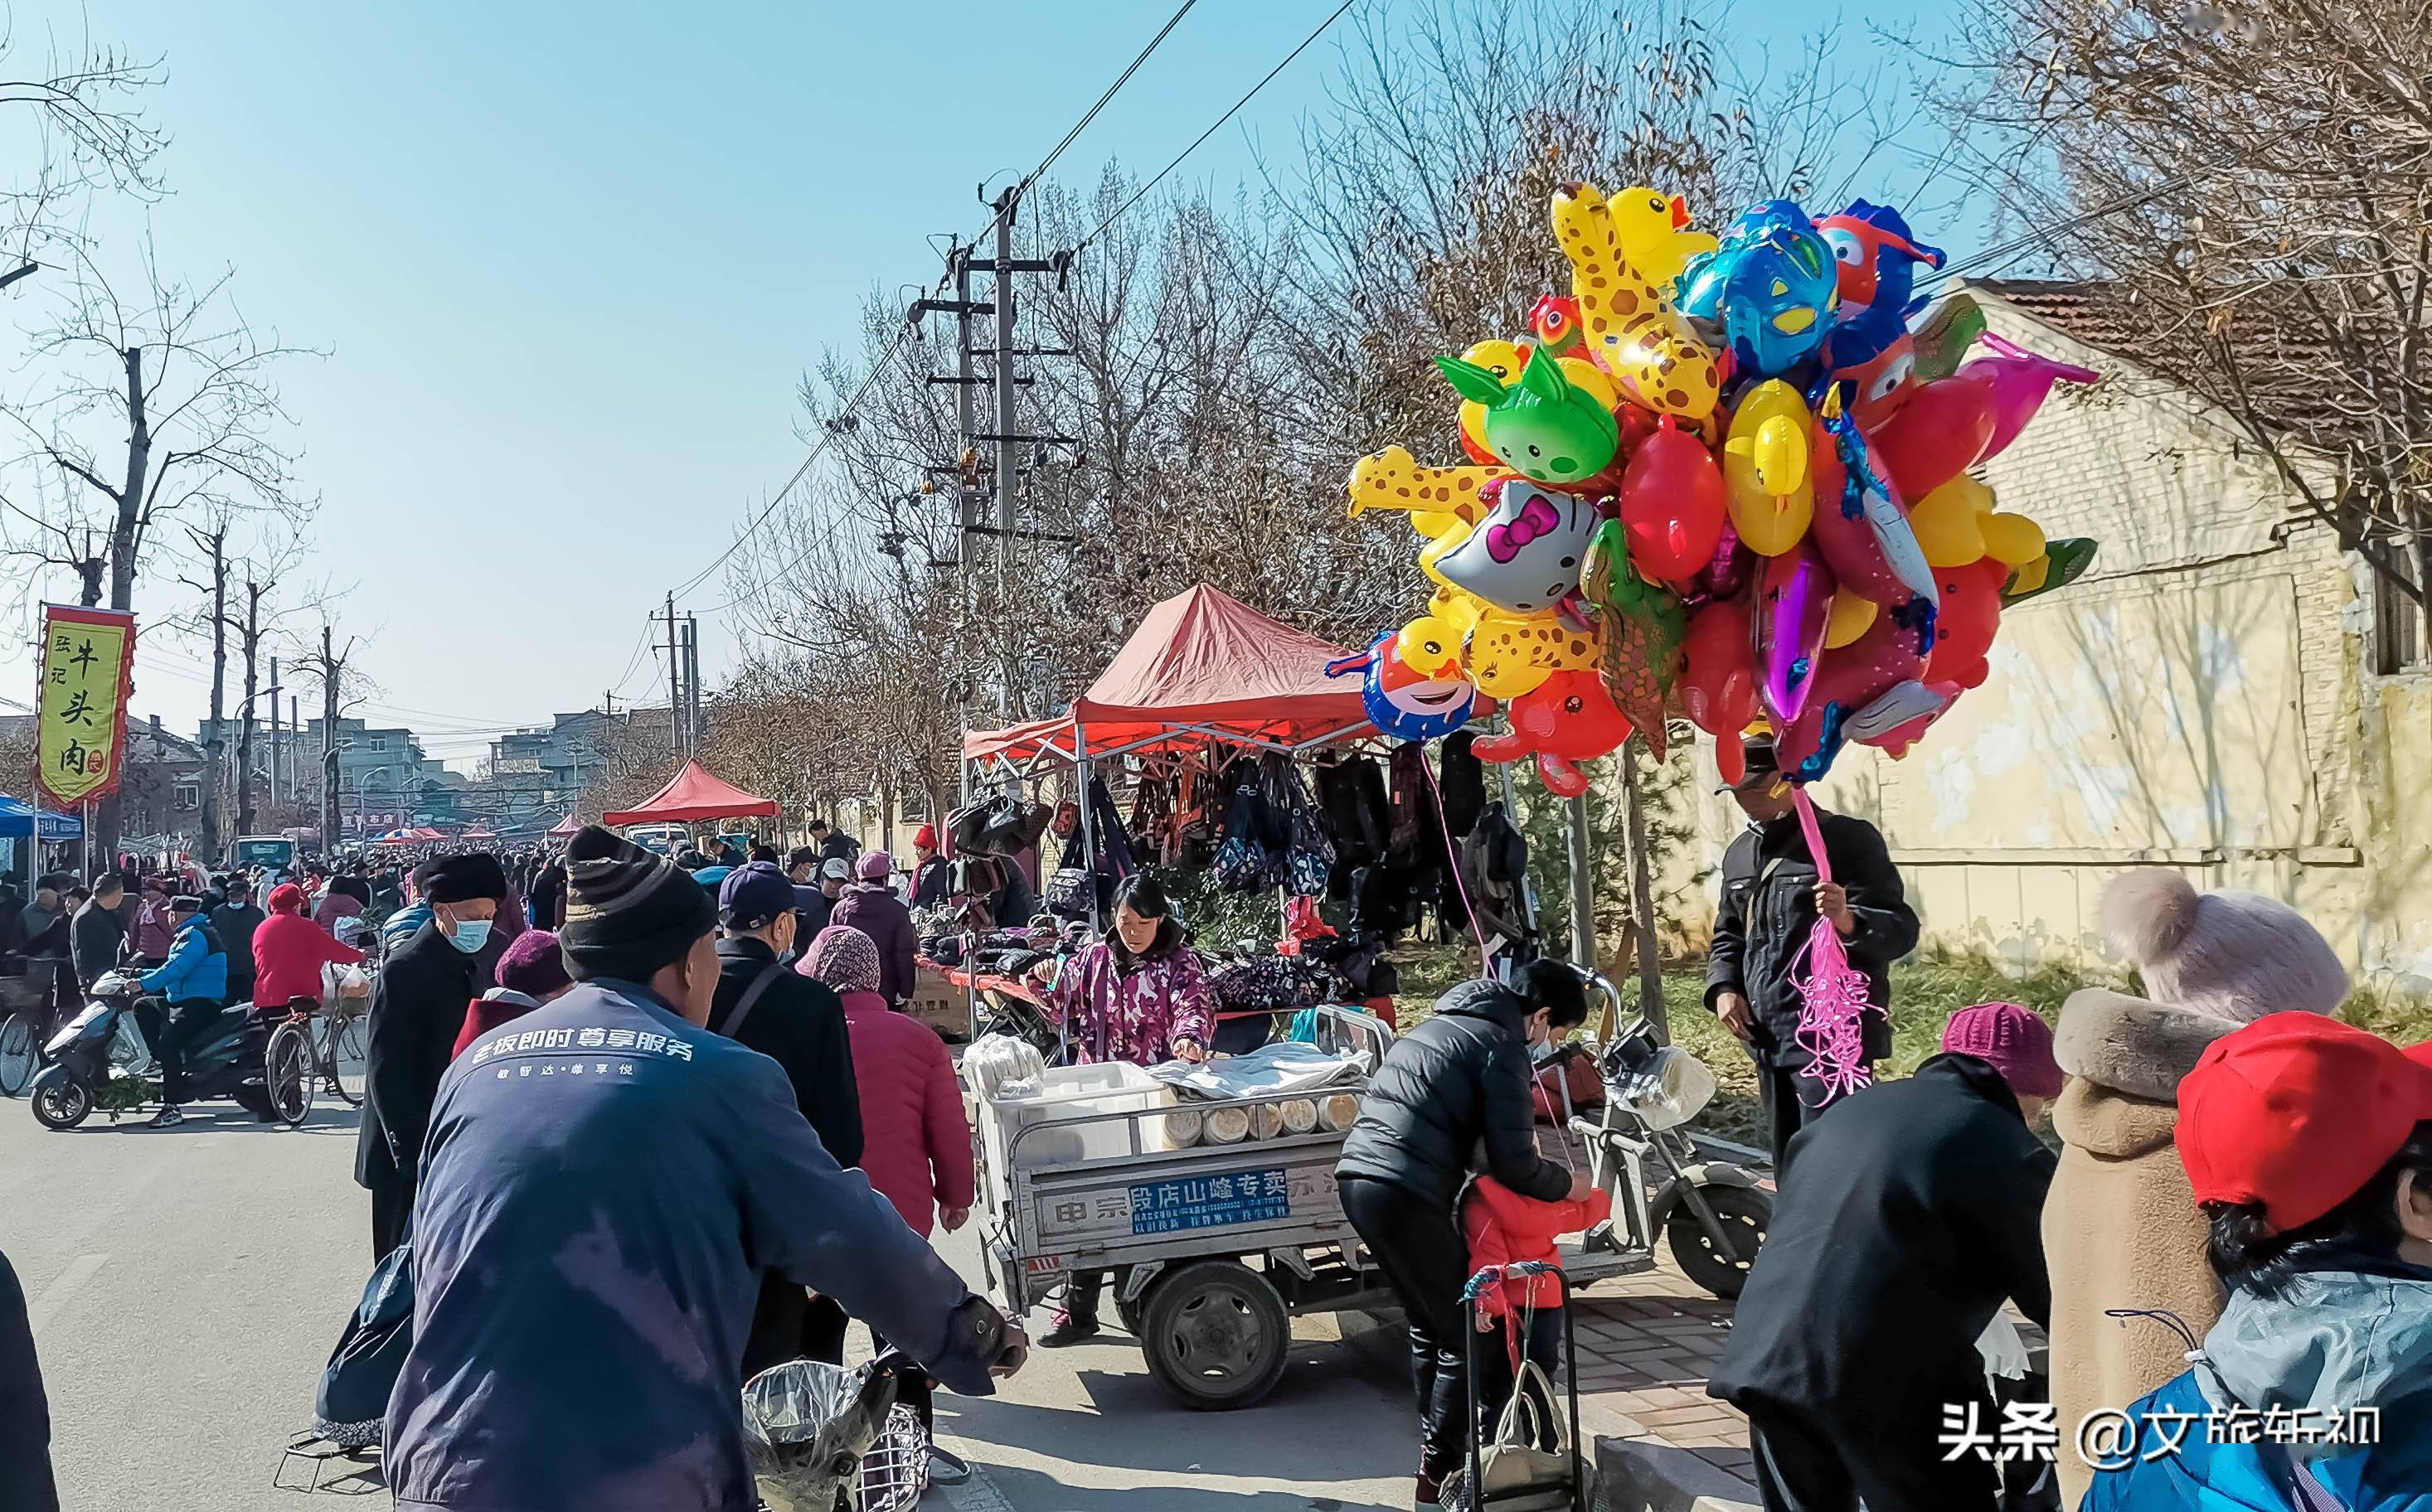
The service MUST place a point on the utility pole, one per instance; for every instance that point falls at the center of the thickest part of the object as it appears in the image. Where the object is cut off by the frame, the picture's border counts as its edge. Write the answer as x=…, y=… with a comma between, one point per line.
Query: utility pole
x=334, y=667
x=274, y=690
x=1007, y=469
x=676, y=731
x=692, y=684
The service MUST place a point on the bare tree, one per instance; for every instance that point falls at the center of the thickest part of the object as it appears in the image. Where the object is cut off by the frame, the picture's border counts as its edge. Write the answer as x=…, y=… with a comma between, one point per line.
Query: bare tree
x=176, y=371
x=210, y=546
x=2253, y=183
x=1229, y=359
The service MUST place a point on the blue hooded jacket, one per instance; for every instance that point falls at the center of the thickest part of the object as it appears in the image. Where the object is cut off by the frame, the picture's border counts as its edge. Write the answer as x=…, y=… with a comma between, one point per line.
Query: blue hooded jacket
x=196, y=968
x=2334, y=1340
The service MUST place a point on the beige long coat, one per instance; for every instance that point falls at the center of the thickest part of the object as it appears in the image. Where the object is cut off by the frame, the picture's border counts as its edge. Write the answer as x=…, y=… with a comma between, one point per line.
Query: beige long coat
x=2120, y=1226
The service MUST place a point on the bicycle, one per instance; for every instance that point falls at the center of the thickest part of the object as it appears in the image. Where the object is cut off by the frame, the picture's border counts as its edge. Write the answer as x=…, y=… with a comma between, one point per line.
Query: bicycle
x=316, y=1046
x=289, y=1065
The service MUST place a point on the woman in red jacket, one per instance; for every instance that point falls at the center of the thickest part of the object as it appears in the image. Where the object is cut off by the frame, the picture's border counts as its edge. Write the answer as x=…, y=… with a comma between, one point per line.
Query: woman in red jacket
x=289, y=952
x=916, y=1143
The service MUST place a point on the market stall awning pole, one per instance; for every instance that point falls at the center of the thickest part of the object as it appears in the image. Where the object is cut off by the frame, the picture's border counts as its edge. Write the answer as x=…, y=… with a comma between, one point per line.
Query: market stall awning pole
x=1081, y=771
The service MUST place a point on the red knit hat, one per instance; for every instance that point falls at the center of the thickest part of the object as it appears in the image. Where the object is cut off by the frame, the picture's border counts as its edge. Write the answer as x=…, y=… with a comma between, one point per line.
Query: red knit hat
x=2013, y=1040
x=287, y=899
x=2297, y=1112
x=926, y=837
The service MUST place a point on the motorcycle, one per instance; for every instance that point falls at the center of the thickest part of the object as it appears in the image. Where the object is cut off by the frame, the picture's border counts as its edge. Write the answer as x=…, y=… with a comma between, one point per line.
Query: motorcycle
x=107, y=1043
x=1712, y=1213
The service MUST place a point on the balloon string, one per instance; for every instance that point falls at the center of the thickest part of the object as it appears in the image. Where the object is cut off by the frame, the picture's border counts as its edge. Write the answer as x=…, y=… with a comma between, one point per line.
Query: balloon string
x=1833, y=996
x=1814, y=836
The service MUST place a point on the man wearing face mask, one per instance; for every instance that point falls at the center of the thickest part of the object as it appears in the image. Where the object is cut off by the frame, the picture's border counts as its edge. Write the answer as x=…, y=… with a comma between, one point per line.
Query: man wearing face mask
x=799, y=1023
x=1451, y=1094
x=418, y=1009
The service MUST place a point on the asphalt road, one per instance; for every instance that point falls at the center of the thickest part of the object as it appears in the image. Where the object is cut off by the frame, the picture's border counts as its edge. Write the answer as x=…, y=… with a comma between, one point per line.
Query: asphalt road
x=186, y=1285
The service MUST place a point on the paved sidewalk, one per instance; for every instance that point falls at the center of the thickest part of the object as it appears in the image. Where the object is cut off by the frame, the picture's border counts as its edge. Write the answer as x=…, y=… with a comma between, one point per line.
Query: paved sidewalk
x=1646, y=1344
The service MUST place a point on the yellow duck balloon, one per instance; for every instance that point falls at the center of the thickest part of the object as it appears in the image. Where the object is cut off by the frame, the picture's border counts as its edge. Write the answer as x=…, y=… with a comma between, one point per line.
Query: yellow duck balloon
x=1653, y=229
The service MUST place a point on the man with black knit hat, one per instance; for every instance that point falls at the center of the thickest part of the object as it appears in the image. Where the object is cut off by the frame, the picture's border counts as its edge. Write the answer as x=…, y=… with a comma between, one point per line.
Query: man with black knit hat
x=799, y=1023
x=418, y=1006
x=605, y=1182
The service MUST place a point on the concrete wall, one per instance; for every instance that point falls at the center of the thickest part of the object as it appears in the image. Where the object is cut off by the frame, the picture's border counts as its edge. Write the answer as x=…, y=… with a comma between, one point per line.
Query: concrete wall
x=2199, y=700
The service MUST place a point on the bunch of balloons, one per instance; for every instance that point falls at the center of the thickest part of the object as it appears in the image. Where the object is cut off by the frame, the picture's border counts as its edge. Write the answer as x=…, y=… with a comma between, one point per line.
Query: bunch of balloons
x=1720, y=480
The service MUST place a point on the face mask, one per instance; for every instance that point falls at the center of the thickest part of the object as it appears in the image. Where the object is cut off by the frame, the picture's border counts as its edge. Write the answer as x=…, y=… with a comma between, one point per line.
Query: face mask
x=471, y=935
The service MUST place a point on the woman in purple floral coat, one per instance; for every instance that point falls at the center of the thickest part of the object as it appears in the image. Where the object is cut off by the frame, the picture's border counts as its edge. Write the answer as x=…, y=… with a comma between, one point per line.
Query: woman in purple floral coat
x=1136, y=996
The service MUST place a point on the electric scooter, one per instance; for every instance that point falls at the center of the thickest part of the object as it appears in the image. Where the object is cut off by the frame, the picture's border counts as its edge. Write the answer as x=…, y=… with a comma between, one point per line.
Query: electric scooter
x=1712, y=1213
x=106, y=1042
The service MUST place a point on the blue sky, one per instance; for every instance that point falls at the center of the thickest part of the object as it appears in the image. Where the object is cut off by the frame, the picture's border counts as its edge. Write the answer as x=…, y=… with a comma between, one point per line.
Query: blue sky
x=569, y=261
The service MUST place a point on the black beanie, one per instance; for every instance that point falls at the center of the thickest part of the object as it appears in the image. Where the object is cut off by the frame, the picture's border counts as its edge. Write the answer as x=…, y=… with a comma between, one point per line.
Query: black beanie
x=450, y=879
x=627, y=912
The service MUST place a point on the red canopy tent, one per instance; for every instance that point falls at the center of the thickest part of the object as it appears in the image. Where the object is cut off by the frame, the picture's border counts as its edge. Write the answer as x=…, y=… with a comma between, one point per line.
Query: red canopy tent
x=1202, y=667
x=565, y=829
x=477, y=832
x=695, y=795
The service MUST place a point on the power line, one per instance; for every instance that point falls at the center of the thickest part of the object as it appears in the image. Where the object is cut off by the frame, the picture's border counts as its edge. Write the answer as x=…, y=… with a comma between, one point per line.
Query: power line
x=1144, y=191
x=904, y=331
x=1083, y=124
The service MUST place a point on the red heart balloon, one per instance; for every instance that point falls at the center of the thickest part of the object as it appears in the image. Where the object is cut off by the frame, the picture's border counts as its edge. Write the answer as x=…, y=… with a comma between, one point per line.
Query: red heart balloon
x=1966, y=625
x=1933, y=438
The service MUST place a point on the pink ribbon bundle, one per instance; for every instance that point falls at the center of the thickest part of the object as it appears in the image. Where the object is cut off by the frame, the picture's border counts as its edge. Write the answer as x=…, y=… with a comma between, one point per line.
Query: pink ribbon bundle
x=1833, y=999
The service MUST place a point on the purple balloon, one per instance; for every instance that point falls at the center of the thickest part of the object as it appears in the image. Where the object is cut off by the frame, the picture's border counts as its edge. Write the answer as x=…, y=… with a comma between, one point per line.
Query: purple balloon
x=1792, y=606
x=1727, y=572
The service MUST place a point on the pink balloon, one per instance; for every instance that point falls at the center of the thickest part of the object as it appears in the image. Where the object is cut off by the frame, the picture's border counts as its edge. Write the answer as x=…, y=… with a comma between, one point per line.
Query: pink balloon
x=1849, y=543
x=1896, y=741
x=1794, y=603
x=1727, y=572
x=2020, y=381
x=1850, y=678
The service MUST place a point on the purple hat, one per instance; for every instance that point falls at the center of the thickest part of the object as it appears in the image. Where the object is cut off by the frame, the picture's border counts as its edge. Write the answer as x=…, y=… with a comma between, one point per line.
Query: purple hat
x=2011, y=1039
x=533, y=964
x=876, y=866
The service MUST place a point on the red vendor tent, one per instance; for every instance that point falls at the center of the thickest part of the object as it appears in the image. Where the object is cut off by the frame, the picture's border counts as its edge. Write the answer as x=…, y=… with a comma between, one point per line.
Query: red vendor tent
x=695, y=795
x=1202, y=666
x=566, y=828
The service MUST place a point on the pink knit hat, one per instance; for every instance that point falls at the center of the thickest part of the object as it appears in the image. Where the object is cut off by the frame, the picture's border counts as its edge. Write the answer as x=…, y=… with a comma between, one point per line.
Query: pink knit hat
x=2013, y=1040
x=876, y=866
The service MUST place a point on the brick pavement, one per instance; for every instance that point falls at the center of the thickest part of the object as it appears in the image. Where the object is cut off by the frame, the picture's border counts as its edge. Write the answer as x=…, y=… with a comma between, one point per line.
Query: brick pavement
x=1646, y=1343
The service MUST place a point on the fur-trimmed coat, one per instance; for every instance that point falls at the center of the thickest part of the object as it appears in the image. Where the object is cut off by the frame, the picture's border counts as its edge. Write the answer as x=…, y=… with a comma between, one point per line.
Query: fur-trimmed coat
x=2120, y=1226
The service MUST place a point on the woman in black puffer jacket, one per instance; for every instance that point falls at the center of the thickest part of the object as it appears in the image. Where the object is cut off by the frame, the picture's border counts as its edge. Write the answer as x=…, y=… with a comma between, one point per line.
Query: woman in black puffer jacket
x=1452, y=1096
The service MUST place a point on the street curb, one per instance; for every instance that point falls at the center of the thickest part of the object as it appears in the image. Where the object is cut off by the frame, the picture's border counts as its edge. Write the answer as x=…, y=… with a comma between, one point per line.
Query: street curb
x=1646, y=1474
x=1639, y=1471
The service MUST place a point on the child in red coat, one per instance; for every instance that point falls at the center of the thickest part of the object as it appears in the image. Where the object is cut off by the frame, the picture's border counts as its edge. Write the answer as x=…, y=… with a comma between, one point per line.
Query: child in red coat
x=1503, y=1228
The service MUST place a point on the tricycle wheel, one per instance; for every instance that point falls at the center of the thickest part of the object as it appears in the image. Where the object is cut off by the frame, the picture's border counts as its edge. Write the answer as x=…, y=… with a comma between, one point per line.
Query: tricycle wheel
x=1745, y=1213
x=1129, y=1311
x=1215, y=1334
x=63, y=1105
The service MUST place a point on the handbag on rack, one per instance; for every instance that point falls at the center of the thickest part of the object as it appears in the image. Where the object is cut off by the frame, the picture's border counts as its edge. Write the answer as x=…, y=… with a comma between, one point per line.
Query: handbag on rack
x=1514, y=1470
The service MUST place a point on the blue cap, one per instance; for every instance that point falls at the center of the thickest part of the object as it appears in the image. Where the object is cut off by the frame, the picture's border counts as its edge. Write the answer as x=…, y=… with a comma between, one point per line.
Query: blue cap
x=752, y=896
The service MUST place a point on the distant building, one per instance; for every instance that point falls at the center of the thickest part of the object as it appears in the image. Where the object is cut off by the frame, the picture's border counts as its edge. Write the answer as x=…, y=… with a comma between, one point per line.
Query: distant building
x=554, y=761
x=381, y=774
